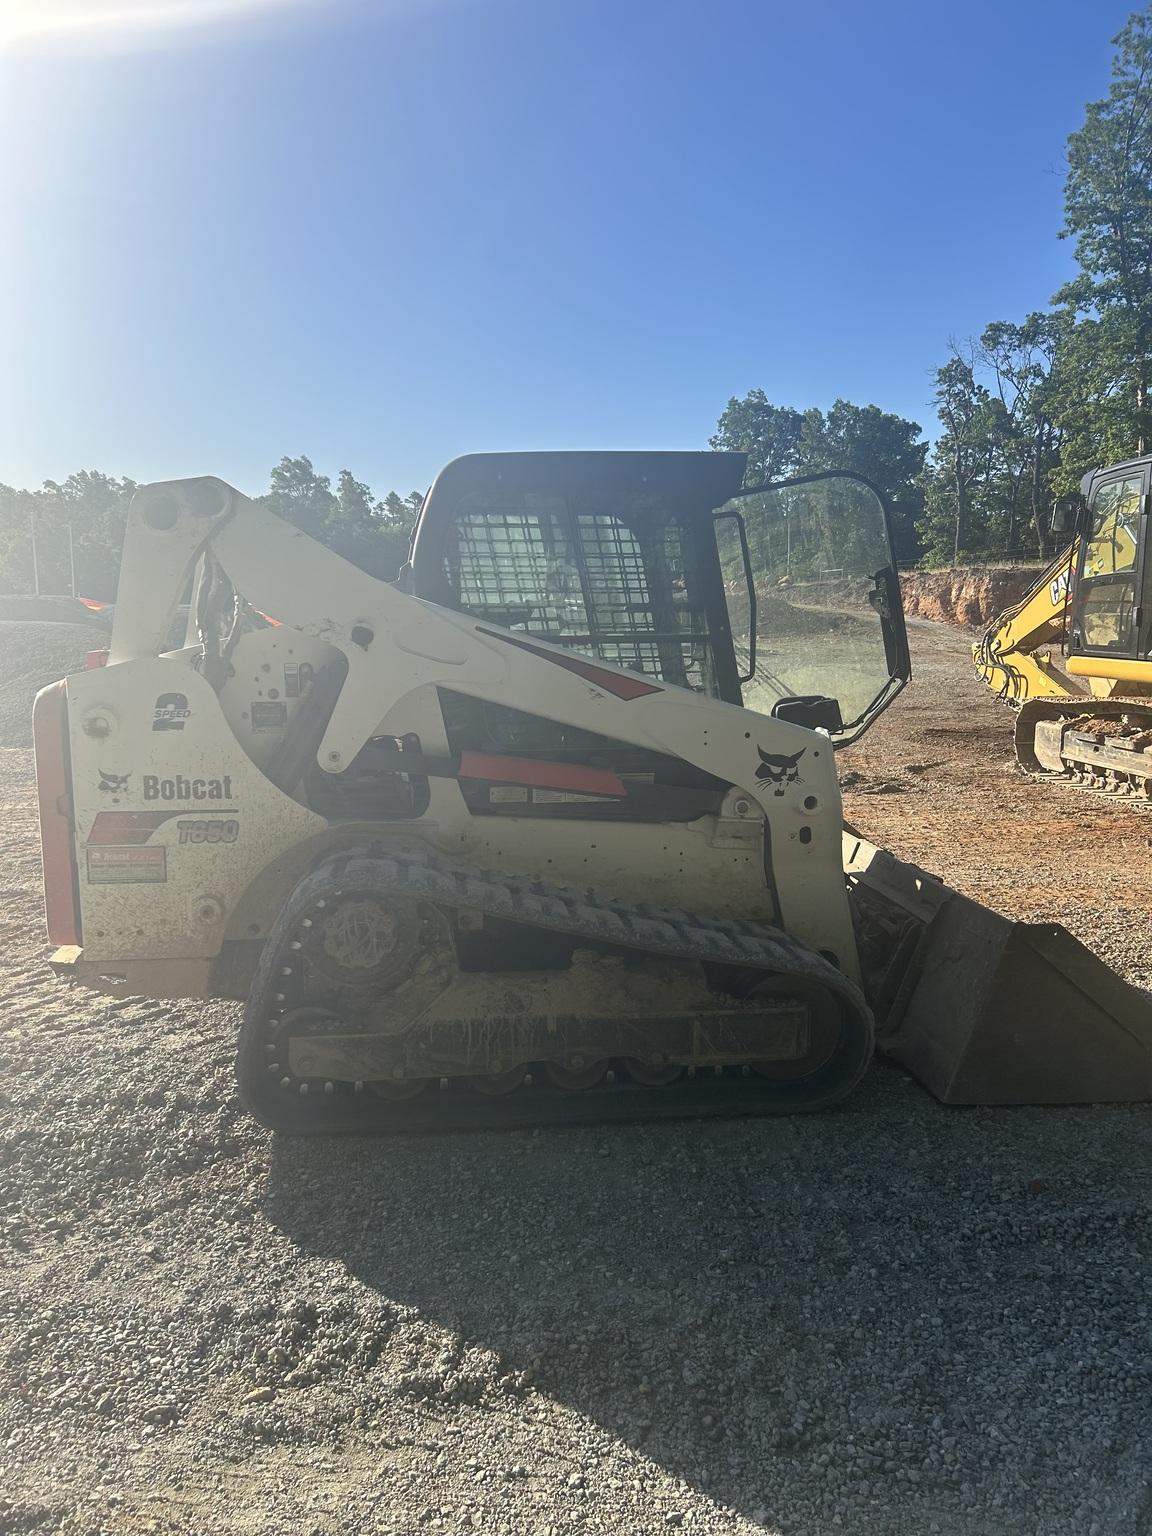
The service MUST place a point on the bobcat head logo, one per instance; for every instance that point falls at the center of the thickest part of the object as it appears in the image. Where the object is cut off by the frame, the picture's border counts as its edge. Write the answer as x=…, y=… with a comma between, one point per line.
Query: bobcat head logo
x=779, y=771
x=113, y=783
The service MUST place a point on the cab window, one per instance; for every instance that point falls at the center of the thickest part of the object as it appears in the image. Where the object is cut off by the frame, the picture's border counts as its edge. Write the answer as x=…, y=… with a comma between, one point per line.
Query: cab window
x=1107, y=599
x=615, y=576
x=817, y=614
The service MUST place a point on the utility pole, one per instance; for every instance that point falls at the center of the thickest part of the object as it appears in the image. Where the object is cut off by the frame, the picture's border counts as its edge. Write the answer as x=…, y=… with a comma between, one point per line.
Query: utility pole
x=72, y=559
x=35, y=562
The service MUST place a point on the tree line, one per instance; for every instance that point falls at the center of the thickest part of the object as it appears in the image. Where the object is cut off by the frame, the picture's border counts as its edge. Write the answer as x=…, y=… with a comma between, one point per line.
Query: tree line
x=1023, y=411
x=81, y=521
x=1029, y=406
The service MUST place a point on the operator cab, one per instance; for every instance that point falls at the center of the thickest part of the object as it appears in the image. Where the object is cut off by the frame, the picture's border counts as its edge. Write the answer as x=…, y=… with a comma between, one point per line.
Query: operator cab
x=783, y=599
x=1108, y=614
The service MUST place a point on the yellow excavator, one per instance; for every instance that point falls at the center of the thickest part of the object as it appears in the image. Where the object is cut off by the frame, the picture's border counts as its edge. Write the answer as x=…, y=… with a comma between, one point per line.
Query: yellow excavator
x=1074, y=656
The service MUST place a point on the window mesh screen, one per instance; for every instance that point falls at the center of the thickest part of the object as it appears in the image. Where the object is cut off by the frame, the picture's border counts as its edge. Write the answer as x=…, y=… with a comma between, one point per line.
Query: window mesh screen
x=510, y=567
x=585, y=579
x=617, y=585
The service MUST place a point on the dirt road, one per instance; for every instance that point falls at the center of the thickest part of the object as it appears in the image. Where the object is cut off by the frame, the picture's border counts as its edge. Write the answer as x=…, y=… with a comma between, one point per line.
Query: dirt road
x=891, y=1319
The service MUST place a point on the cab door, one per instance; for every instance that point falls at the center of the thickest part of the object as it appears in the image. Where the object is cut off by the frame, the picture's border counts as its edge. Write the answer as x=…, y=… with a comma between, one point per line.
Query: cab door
x=1108, y=615
x=814, y=601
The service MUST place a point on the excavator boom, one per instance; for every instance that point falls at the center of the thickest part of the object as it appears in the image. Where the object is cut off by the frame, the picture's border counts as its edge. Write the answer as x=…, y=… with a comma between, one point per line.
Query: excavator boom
x=1014, y=654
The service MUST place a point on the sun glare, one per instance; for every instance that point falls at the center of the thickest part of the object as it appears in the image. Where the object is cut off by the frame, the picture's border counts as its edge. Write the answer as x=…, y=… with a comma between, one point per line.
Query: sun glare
x=112, y=21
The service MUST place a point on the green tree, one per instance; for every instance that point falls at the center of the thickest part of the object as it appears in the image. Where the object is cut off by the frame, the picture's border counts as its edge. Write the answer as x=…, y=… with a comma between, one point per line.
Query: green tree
x=399, y=513
x=348, y=519
x=879, y=445
x=303, y=498
x=1035, y=405
x=94, y=506
x=1093, y=400
x=769, y=434
x=1023, y=363
x=963, y=453
x=362, y=533
x=355, y=507
x=372, y=534
x=1108, y=213
x=781, y=442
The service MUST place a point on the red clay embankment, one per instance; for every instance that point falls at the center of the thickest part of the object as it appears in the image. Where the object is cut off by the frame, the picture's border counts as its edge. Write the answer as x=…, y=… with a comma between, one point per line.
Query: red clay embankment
x=968, y=595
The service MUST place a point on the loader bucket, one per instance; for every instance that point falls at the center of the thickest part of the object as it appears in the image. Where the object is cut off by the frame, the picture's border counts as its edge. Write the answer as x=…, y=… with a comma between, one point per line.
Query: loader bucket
x=984, y=1010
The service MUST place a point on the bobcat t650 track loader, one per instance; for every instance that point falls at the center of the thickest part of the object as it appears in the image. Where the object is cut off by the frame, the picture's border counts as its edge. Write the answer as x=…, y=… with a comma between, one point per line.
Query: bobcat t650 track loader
x=549, y=829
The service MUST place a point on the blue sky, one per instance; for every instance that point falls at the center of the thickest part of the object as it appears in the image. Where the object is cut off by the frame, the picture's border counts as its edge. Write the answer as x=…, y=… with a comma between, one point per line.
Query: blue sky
x=387, y=233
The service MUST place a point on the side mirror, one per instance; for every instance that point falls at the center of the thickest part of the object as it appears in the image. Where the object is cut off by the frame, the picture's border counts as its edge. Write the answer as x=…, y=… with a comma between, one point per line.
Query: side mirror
x=1066, y=516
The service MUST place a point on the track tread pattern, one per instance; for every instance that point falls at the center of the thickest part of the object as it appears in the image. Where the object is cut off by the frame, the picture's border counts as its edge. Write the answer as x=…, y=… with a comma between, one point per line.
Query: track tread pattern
x=671, y=932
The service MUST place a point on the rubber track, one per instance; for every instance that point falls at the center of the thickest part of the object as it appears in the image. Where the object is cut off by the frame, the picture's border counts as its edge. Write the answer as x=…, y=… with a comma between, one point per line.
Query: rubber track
x=652, y=930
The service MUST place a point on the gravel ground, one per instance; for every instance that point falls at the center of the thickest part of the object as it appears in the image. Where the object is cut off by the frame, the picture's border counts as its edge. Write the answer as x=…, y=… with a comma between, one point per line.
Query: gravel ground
x=890, y=1319
x=32, y=655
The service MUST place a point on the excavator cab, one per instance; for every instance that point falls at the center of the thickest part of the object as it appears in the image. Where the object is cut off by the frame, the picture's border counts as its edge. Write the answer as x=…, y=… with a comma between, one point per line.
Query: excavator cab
x=1108, y=616
x=783, y=599
x=1083, y=631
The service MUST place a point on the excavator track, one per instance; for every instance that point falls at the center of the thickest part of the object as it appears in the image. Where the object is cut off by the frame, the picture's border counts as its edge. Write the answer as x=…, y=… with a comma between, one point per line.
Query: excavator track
x=1104, y=766
x=300, y=1004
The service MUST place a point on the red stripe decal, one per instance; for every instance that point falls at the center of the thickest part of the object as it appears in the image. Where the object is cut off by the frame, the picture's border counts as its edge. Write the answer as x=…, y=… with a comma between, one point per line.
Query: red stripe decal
x=127, y=826
x=528, y=770
x=623, y=686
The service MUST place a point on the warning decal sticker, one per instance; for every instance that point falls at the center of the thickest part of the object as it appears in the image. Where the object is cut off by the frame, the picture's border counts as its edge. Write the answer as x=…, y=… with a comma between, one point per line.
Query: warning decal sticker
x=127, y=866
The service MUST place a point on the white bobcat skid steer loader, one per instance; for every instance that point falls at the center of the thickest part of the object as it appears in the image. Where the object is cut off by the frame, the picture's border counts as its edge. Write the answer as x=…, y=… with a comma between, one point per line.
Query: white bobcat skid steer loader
x=551, y=829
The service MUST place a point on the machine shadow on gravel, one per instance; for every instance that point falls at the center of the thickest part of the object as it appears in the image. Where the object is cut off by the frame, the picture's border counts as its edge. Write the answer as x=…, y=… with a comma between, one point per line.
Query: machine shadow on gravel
x=868, y=1311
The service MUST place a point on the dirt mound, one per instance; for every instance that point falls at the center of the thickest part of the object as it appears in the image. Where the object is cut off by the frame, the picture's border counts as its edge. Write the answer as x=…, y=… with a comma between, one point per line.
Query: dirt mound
x=971, y=595
x=32, y=655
